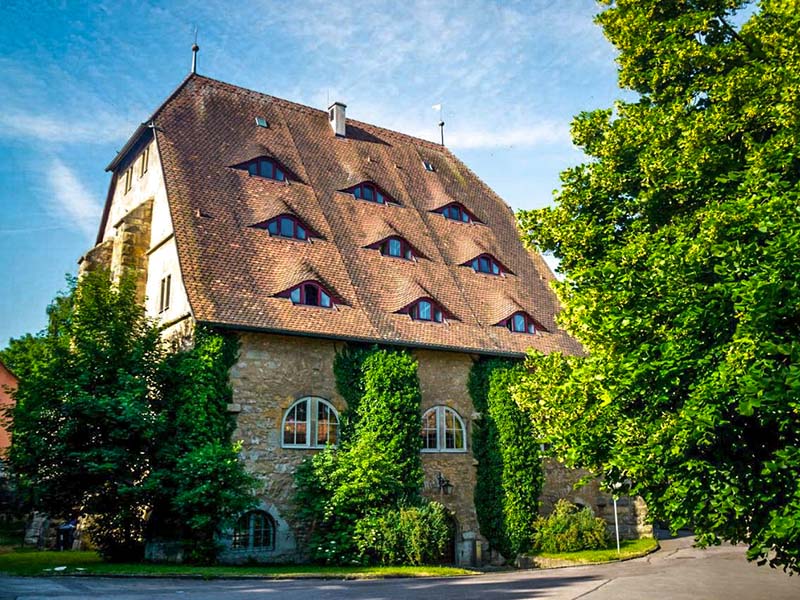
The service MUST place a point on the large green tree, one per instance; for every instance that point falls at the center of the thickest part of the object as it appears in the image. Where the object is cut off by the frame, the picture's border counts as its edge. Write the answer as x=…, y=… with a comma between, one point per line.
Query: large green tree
x=678, y=243
x=82, y=426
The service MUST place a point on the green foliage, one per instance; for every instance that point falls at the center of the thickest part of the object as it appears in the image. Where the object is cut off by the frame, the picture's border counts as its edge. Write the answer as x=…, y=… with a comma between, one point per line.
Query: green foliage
x=376, y=470
x=509, y=474
x=678, y=241
x=198, y=484
x=348, y=374
x=82, y=426
x=570, y=529
x=24, y=354
x=414, y=535
x=108, y=425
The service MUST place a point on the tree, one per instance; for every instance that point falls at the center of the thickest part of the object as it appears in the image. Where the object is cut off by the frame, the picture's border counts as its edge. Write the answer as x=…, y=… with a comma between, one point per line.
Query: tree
x=678, y=243
x=110, y=425
x=82, y=424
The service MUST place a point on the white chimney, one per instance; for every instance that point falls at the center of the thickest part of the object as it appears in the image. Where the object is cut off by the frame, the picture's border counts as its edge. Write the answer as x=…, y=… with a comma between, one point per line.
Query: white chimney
x=336, y=118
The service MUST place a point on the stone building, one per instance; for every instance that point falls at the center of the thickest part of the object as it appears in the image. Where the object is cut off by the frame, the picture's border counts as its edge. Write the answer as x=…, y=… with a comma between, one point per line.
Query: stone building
x=303, y=230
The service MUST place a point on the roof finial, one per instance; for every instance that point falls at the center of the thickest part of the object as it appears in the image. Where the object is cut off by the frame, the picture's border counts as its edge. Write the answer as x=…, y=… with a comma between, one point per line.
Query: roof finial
x=438, y=107
x=195, y=48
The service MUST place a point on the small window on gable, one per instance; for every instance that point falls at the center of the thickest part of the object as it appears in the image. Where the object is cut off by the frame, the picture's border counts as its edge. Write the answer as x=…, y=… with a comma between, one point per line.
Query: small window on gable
x=519, y=322
x=371, y=193
x=309, y=293
x=443, y=431
x=429, y=166
x=128, y=179
x=395, y=247
x=145, y=158
x=310, y=422
x=486, y=263
x=254, y=531
x=265, y=167
x=164, y=294
x=425, y=309
x=261, y=122
x=456, y=212
x=287, y=226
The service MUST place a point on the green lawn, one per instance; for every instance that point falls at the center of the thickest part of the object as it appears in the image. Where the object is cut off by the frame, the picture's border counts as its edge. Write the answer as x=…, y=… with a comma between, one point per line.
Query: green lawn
x=88, y=563
x=628, y=549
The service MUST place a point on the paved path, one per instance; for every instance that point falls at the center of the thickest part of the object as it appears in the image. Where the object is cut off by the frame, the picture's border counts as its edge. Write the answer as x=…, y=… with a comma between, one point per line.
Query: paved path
x=678, y=572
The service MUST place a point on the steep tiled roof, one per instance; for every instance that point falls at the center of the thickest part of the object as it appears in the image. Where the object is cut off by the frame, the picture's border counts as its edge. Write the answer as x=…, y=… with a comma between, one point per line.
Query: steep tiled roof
x=232, y=270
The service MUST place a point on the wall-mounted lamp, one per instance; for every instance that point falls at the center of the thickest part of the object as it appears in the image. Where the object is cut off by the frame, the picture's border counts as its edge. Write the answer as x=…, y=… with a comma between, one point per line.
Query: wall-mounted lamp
x=445, y=487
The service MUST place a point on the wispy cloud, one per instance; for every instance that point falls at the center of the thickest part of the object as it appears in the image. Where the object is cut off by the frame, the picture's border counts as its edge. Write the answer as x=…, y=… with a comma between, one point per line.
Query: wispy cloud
x=101, y=129
x=71, y=200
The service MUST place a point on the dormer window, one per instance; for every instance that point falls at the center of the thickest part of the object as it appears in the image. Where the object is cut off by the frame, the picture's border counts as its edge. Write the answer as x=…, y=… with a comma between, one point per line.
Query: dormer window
x=287, y=226
x=425, y=309
x=456, y=212
x=267, y=168
x=371, y=193
x=396, y=247
x=519, y=322
x=309, y=293
x=486, y=263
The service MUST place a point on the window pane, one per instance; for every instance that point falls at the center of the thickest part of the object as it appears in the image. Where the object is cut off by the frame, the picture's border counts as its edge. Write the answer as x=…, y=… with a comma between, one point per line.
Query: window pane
x=324, y=299
x=266, y=169
x=368, y=193
x=252, y=168
x=301, y=233
x=429, y=441
x=312, y=295
x=287, y=227
x=295, y=295
x=531, y=328
x=380, y=197
x=484, y=264
x=279, y=174
x=437, y=315
x=495, y=268
x=475, y=264
x=519, y=323
x=464, y=216
x=294, y=429
x=327, y=424
x=409, y=254
x=357, y=192
x=424, y=310
x=395, y=248
x=273, y=227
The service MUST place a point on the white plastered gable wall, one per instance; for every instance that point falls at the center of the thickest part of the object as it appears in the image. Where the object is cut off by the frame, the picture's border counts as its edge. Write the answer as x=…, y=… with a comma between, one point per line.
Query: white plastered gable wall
x=162, y=253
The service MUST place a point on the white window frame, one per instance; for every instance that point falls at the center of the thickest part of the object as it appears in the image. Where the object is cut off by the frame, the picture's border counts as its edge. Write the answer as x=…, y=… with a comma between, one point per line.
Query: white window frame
x=312, y=423
x=441, y=412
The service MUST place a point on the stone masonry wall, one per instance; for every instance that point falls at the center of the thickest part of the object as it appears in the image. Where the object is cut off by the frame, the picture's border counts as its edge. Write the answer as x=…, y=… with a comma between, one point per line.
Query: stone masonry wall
x=560, y=483
x=131, y=242
x=273, y=371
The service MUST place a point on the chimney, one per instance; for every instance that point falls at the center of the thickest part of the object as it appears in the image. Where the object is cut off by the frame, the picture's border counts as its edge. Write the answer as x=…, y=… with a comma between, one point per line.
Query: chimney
x=336, y=118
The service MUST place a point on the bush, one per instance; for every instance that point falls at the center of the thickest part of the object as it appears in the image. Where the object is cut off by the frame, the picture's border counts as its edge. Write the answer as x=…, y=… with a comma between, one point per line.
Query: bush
x=570, y=529
x=415, y=535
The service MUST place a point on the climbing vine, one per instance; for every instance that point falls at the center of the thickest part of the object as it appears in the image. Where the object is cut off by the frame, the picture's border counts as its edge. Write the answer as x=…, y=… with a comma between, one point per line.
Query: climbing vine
x=509, y=472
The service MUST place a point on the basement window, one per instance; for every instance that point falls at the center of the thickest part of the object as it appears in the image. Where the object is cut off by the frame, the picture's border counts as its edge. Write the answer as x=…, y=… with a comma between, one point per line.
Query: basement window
x=255, y=530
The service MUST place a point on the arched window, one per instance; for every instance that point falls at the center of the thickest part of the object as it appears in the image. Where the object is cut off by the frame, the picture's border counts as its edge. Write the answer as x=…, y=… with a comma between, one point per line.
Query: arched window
x=425, y=309
x=255, y=530
x=486, y=263
x=457, y=212
x=310, y=422
x=396, y=247
x=287, y=226
x=267, y=168
x=519, y=322
x=443, y=431
x=371, y=193
x=309, y=293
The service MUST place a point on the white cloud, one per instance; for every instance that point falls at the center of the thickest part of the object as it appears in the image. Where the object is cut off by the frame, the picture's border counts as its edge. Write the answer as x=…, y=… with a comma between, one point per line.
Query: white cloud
x=71, y=200
x=101, y=129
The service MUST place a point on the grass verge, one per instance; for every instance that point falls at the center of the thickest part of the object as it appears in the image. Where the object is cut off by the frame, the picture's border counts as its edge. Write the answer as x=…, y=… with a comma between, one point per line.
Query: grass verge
x=35, y=563
x=628, y=549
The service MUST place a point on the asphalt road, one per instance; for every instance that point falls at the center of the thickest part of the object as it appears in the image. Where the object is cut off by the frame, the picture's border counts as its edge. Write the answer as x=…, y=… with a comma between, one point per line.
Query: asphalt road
x=677, y=571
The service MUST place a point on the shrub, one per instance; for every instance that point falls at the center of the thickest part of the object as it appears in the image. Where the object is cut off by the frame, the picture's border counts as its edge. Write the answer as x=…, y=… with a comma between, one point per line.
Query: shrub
x=414, y=535
x=570, y=529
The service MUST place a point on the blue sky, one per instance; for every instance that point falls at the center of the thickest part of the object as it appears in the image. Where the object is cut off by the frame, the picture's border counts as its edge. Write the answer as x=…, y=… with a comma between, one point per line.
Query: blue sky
x=77, y=78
